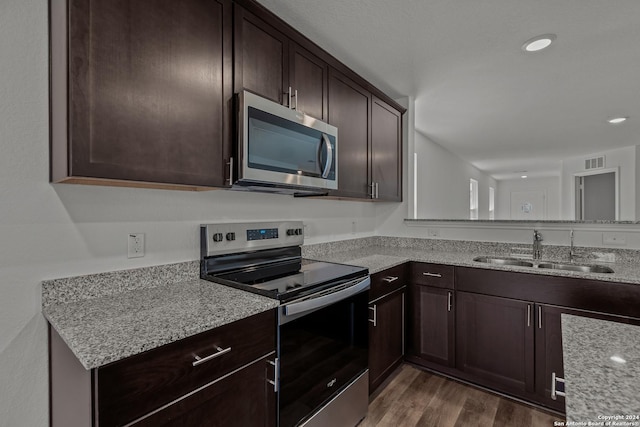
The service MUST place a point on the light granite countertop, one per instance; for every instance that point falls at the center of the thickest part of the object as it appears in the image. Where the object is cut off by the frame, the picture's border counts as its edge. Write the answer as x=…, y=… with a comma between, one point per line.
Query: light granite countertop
x=108, y=328
x=378, y=258
x=601, y=370
x=109, y=316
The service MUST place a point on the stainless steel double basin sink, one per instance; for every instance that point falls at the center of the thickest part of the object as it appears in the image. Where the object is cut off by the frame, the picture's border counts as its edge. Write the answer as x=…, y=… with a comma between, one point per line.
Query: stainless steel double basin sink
x=594, y=268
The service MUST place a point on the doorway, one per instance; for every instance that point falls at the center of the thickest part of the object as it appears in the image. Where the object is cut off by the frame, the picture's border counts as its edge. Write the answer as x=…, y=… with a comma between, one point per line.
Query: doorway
x=596, y=196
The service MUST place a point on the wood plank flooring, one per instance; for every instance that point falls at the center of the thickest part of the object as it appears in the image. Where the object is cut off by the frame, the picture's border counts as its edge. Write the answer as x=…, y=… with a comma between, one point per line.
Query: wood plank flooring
x=412, y=397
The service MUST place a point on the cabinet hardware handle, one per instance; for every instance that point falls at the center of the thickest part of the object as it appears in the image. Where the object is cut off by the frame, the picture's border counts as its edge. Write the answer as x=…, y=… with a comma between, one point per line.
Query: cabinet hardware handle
x=289, y=103
x=403, y=327
x=554, y=380
x=539, y=317
x=230, y=171
x=377, y=188
x=528, y=315
x=295, y=95
x=200, y=360
x=390, y=279
x=373, y=190
x=432, y=274
x=449, y=300
x=375, y=315
x=276, y=374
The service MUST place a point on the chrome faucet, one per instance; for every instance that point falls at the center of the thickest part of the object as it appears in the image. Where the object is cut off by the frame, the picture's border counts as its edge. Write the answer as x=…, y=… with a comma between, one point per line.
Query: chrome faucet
x=537, y=244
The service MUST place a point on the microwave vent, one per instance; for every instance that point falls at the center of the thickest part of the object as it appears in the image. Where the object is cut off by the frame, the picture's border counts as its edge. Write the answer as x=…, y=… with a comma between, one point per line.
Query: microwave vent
x=594, y=163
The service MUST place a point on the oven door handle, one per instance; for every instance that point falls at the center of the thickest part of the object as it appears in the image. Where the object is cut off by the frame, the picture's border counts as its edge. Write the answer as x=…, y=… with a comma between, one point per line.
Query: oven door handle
x=323, y=301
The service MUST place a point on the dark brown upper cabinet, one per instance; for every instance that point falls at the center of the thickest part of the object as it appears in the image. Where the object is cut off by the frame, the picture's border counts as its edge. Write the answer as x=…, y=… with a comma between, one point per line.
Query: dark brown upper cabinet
x=369, y=141
x=386, y=150
x=261, y=57
x=141, y=92
x=271, y=64
x=308, y=78
x=274, y=60
x=350, y=112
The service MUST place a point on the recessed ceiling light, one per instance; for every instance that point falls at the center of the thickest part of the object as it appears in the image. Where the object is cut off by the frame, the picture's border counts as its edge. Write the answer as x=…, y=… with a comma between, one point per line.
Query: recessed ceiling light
x=538, y=43
x=617, y=120
x=523, y=176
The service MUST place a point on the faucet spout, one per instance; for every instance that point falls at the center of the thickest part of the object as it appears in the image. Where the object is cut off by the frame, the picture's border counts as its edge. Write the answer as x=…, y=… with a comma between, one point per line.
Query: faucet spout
x=537, y=244
x=572, y=253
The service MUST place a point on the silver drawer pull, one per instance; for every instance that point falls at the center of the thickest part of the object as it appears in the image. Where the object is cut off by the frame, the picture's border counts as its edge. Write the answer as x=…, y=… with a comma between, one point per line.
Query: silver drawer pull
x=390, y=279
x=432, y=274
x=375, y=315
x=200, y=360
x=276, y=374
x=554, y=381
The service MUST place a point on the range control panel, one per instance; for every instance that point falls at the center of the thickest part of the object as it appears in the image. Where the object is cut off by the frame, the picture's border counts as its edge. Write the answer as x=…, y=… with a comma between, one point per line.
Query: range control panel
x=219, y=239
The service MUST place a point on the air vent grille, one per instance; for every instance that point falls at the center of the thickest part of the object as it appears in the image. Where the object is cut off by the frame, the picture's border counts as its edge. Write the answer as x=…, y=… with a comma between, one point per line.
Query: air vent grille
x=594, y=163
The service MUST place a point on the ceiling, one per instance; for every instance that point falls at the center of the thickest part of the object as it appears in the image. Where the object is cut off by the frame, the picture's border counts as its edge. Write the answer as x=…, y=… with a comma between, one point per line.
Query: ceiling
x=477, y=93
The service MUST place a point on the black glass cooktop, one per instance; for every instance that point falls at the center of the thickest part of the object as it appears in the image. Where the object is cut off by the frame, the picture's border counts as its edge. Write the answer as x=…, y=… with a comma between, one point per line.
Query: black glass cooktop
x=286, y=281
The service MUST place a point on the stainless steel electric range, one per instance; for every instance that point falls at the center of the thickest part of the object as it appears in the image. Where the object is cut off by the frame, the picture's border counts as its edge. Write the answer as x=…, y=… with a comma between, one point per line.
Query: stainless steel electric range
x=323, y=329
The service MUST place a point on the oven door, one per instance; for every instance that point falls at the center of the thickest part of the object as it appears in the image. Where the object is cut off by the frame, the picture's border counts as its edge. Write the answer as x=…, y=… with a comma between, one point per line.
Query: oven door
x=323, y=349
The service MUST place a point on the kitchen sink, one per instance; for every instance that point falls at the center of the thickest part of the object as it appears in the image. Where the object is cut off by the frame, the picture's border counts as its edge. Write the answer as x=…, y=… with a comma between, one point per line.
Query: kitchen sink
x=503, y=261
x=577, y=267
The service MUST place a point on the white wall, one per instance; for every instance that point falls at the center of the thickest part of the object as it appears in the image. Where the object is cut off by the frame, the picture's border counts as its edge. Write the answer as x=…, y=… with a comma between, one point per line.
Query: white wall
x=637, y=182
x=443, y=183
x=550, y=185
x=625, y=159
x=49, y=231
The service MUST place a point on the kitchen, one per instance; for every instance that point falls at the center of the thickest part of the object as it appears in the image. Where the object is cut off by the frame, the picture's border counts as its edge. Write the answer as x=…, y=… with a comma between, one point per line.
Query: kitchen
x=71, y=230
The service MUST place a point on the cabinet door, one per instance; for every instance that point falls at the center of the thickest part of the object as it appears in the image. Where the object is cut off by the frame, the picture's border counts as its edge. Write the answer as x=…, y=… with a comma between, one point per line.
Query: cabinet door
x=549, y=358
x=386, y=337
x=431, y=325
x=308, y=76
x=386, y=150
x=261, y=57
x=349, y=111
x=242, y=399
x=149, y=86
x=495, y=341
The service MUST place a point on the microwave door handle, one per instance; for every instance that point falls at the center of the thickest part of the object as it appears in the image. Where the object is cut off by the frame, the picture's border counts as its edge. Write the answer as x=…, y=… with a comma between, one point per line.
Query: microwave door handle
x=327, y=167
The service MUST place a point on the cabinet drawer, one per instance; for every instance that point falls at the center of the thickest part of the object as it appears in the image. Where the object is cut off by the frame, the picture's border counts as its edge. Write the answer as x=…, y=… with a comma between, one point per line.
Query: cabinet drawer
x=387, y=281
x=437, y=275
x=132, y=387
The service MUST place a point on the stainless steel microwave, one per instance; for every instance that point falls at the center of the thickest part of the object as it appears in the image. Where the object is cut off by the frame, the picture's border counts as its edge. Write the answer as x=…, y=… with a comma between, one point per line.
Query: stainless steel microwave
x=283, y=150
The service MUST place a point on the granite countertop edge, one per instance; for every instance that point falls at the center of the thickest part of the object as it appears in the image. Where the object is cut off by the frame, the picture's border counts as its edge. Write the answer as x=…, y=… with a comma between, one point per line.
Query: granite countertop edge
x=107, y=329
x=379, y=258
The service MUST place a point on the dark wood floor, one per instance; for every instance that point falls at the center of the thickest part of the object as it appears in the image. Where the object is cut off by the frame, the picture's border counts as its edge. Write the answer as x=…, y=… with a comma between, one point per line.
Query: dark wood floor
x=412, y=397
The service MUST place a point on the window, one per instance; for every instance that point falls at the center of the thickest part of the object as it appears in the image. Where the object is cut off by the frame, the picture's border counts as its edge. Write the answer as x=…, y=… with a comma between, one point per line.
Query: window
x=473, y=199
x=492, y=203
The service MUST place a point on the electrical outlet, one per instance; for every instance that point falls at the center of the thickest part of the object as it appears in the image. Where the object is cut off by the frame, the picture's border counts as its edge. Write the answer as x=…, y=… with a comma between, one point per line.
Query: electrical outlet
x=135, y=245
x=617, y=239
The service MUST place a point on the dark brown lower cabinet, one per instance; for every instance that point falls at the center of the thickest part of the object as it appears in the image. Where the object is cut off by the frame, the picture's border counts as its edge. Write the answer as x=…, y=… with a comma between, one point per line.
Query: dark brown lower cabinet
x=219, y=377
x=244, y=398
x=549, y=359
x=430, y=331
x=386, y=336
x=495, y=341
